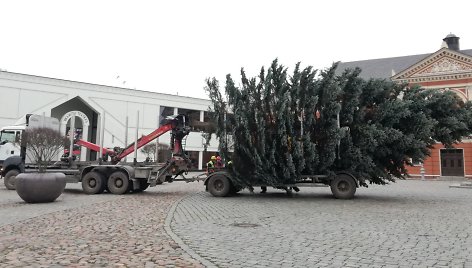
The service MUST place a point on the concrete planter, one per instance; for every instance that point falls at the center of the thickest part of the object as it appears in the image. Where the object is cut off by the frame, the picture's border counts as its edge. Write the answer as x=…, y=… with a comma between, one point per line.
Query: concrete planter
x=40, y=187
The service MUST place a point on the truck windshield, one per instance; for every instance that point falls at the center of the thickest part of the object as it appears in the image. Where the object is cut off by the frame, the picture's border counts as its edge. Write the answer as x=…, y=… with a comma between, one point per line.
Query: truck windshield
x=7, y=136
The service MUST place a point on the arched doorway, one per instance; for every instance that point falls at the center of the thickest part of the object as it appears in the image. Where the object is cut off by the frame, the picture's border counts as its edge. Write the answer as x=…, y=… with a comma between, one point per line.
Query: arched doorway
x=85, y=122
x=80, y=131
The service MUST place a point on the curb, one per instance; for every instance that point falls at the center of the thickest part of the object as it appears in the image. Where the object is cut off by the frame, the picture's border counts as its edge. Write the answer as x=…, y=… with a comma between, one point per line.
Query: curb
x=187, y=249
x=466, y=184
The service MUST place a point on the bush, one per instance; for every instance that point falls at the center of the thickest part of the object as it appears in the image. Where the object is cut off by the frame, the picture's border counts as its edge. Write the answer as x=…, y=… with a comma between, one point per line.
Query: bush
x=43, y=144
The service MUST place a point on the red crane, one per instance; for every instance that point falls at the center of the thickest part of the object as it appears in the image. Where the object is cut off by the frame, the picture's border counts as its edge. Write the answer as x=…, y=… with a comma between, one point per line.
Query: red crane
x=175, y=123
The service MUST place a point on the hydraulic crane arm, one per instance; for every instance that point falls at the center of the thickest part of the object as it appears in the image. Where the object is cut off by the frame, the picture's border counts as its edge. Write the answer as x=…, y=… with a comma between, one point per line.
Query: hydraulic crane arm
x=175, y=123
x=143, y=141
x=94, y=147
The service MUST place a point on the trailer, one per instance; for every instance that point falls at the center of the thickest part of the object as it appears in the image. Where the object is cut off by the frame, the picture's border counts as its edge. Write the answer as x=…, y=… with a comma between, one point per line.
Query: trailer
x=343, y=185
x=113, y=175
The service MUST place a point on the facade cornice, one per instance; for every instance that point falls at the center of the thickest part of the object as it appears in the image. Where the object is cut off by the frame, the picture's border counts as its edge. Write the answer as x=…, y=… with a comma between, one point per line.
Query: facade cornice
x=443, y=65
x=95, y=87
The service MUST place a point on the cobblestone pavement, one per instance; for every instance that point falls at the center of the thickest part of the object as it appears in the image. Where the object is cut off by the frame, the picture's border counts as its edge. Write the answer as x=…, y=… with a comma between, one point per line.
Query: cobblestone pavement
x=104, y=230
x=406, y=224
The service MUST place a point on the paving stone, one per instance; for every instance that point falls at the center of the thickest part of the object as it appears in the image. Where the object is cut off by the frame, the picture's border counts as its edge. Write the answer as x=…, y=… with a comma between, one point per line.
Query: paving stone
x=81, y=230
x=403, y=224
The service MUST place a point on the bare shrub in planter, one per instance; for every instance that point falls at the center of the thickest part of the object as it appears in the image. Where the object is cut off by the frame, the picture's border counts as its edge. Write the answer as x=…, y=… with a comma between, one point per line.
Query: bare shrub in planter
x=43, y=145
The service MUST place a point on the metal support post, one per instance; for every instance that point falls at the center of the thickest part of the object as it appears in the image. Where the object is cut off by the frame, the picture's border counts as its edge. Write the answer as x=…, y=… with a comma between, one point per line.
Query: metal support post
x=126, y=132
x=102, y=136
x=71, y=139
x=135, y=160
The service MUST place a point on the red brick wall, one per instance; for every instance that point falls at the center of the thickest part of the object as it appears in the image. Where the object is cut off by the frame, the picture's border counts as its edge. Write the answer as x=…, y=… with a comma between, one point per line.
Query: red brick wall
x=432, y=164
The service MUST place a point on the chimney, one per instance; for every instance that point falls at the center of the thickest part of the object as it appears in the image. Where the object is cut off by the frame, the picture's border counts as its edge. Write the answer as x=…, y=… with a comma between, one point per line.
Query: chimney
x=452, y=42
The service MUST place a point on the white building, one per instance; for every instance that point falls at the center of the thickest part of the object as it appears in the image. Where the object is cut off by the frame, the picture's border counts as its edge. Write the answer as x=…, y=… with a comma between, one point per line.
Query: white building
x=93, y=104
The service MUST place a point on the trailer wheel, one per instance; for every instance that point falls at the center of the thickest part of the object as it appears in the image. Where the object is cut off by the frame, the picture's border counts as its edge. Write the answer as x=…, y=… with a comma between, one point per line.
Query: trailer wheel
x=343, y=186
x=9, y=179
x=219, y=185
x=118, y=182
x=93, y=183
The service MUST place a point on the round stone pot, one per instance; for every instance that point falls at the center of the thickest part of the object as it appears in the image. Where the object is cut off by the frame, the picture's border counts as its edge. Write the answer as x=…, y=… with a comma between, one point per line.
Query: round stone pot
x=40, y=187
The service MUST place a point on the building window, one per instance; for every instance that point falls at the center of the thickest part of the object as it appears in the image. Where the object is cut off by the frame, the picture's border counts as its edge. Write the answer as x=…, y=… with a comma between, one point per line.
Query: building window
x=165, y=112
x=415, y=162
x=164, y=153
x=208, y=116
x=193, y=155
x=194, y=119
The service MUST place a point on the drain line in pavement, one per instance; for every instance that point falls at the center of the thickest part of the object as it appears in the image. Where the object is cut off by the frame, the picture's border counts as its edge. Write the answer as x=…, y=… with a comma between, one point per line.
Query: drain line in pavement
x=187, y=249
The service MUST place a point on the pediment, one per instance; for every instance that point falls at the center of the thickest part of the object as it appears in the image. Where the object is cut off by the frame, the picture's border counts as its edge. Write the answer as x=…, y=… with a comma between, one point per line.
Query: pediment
x=444, y=64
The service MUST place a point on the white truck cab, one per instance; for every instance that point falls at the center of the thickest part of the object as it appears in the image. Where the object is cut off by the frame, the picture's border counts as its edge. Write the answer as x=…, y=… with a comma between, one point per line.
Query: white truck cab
x=10, y=137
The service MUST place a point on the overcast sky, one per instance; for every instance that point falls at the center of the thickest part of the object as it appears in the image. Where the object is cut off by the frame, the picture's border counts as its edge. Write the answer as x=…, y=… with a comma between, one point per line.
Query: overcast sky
x=172, y=46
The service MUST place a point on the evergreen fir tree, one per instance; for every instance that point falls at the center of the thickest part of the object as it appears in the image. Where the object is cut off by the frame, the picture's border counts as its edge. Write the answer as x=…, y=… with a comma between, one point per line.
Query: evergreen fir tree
x=287, y=126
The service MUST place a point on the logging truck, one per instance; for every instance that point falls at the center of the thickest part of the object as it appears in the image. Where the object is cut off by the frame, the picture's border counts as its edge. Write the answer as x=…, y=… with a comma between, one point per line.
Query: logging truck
x=112, y=175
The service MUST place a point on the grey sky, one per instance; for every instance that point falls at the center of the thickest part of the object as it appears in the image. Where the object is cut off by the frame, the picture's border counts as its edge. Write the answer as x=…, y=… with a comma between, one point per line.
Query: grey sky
x=172, y=46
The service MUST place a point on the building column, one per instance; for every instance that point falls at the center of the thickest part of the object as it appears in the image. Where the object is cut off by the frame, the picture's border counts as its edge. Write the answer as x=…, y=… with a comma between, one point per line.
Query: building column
x=200, y=160
x=83, y=151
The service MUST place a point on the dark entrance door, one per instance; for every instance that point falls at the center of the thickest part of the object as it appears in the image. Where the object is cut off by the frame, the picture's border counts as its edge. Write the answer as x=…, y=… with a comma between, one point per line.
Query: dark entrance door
x=452, y=162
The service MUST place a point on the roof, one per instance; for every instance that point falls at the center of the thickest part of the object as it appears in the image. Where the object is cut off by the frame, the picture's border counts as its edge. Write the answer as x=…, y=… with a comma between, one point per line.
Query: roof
x=99, y=87
x=382, y=68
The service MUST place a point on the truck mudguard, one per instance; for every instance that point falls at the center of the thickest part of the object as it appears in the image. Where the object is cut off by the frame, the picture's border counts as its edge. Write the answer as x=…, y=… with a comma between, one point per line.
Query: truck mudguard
x=350, y=175
x=13, y=162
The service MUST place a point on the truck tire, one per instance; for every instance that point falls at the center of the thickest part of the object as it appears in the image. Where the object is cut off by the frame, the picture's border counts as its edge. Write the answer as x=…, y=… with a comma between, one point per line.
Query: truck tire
x=93, y=183
x=219, y=185
x=9, y=179
x=343, y=186
x=118, y=182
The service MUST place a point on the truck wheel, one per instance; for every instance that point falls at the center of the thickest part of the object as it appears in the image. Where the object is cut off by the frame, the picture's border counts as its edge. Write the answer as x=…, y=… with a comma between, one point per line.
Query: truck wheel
x=10, y=179
x=343, y=186
x=219, y=185
x=93, y=183
x=118, y=182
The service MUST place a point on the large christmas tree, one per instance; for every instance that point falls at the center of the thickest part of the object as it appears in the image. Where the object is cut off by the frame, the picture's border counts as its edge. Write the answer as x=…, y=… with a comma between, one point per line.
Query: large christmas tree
x=284, y=126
